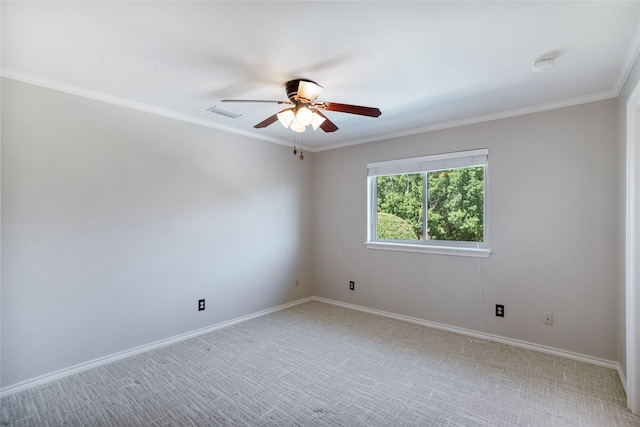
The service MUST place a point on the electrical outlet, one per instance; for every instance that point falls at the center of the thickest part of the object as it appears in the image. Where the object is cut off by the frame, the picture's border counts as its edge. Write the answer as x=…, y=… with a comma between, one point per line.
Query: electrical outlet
x=352, y=285
x=548, y=319
x=297, y=283
x=200, y=304
x=499, y=310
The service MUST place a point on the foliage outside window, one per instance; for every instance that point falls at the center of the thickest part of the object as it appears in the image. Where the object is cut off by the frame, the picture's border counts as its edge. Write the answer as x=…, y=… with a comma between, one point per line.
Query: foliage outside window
x=433, y=201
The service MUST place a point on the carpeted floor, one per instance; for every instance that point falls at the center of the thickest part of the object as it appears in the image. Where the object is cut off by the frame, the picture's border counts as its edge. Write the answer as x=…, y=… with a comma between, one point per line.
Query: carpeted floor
x=316, y=364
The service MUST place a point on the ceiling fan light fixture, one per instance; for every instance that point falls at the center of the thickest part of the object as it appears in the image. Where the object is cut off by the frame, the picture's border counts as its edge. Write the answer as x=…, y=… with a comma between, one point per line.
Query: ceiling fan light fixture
x=286, y=117
x=308, y=91
x=297, y=127
x=304, y=116
x=317, y=120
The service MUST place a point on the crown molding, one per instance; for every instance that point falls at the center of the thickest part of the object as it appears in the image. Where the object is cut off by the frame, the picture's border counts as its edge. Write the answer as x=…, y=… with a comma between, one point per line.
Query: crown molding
x=100, y=96
x=600, y=96
x=127, y=103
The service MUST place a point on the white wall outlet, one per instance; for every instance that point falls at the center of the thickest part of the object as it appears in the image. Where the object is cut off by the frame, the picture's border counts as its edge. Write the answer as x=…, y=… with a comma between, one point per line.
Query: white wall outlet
x=548, y=319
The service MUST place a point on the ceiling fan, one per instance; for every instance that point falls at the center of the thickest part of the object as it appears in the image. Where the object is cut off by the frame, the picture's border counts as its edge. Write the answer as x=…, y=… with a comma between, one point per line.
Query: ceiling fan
x=305, y=110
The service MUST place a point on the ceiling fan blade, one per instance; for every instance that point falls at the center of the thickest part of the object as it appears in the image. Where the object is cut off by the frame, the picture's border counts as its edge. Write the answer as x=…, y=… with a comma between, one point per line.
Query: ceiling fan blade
x=348, y=108
x=327, y=125
x=264, y=101
x=266, y=122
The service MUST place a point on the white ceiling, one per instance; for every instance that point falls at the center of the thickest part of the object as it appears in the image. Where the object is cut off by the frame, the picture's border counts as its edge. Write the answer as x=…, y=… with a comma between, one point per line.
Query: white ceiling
x=426, y=65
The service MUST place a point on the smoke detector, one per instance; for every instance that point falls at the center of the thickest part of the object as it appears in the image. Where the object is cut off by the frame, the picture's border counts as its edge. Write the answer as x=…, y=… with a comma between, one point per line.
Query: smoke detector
x=542, y=64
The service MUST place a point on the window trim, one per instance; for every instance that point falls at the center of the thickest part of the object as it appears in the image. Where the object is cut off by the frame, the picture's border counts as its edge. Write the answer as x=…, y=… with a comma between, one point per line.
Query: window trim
x=422, y=164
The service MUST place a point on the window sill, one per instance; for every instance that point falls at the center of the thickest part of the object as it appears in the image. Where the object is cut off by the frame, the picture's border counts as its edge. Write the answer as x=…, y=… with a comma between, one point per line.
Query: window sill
x=439, y=250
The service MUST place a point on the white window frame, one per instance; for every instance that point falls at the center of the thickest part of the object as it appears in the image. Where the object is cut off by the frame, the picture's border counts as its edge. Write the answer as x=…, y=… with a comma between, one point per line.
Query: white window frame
x=460, y=159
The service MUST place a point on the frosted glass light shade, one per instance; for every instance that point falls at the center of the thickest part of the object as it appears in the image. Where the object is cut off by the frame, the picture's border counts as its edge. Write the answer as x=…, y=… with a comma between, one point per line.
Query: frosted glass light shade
x=298, y=120
x=308, y=90
x=297, y=127
x=286, y=117
x=317, y=120
x=304, y=116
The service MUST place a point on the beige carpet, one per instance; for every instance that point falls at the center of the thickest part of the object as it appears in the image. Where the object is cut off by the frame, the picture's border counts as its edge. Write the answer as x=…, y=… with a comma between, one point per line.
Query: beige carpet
x=316, y=364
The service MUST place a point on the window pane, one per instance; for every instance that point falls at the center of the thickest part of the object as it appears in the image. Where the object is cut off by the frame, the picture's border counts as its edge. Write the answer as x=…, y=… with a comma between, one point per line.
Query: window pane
x=400, y=206
x=456, y=204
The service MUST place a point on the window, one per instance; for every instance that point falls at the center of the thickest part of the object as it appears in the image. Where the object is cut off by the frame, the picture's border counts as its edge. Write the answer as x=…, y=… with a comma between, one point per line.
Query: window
x=434, y=204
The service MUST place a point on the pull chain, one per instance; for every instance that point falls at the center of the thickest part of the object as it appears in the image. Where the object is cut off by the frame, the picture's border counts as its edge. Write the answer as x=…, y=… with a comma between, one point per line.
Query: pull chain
x=301, y=148
x=295, y=149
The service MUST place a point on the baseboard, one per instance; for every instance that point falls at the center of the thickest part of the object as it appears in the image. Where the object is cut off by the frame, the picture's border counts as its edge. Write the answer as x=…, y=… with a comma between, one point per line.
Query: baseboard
x=496, y=338
x=47, y=378
x=623, y=377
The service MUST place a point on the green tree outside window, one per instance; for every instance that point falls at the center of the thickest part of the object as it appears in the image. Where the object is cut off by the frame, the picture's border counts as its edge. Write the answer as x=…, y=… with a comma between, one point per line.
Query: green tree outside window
x=455, y=205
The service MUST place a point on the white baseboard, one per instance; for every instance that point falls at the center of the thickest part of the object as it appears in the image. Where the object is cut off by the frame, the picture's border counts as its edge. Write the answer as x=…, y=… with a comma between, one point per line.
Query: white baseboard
x=46, y=378
x=510, y=341
x=623, y=378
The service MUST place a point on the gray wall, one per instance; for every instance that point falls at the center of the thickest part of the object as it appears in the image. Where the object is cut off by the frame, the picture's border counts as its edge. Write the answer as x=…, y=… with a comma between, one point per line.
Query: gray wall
x=115, y=222
x=552, y=209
